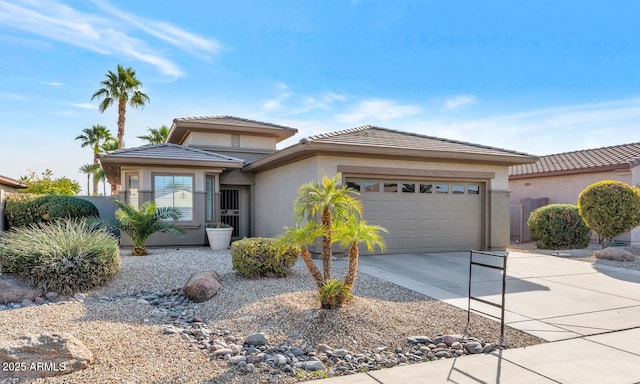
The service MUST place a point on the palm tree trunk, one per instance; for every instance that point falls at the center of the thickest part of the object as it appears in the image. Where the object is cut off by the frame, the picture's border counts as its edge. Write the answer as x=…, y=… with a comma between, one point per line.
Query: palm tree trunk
x=95, y=181
x=354, y=253
x=122, y=110
x=313, y=269
x=326, y=244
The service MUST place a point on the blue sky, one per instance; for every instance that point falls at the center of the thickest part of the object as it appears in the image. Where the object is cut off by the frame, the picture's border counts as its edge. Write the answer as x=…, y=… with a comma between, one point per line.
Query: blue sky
x=539, y=77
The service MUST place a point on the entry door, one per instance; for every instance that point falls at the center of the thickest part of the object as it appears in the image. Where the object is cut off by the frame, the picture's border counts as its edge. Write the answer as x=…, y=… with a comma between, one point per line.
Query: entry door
x=230, y=209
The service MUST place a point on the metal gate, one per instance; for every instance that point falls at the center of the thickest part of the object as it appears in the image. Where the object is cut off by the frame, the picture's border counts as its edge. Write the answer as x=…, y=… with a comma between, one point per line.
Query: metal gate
x=230, y=208
x=516, y=223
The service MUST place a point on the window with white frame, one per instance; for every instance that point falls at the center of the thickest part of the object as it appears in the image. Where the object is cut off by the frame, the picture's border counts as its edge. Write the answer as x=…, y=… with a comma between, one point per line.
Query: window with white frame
x=133, y=186
x=174, y=191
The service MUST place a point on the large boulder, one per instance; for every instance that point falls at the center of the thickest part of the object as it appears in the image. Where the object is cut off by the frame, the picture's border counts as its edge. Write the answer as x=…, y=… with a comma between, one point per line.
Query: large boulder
x=13, y=289
x=616, y=254
x=202, y=285
x=43, y=355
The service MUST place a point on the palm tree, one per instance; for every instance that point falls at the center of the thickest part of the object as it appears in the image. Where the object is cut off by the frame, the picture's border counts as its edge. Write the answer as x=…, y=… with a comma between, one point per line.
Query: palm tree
x=331, y=201
x=95, y=137
x=108, y=146
x=156, y=136
x=142, y=223
x=301, y=237
x=350, y=234
x=122, y=87
x=89, y=170
x=101, y=176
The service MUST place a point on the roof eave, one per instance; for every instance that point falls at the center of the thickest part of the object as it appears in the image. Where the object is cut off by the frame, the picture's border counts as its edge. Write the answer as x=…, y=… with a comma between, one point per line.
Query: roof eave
x=180, y=129
x=12, y=182
x=306, y=148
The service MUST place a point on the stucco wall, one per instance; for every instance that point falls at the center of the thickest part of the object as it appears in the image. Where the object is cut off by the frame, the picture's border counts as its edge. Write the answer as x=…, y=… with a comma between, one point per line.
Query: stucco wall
x=565, y=189
x=4, y=189
x=276, y=190
x=224, y=140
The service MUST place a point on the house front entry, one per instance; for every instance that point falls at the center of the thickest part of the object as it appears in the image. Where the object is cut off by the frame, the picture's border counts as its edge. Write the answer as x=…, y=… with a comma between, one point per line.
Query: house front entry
x=234, y=209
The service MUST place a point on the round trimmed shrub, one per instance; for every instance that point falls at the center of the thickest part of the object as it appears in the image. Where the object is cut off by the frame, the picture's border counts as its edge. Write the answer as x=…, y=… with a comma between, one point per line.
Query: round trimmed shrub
x=65, y=256
x=24, y=209
x=558, y=226
x=610, y=208
x=262, y=256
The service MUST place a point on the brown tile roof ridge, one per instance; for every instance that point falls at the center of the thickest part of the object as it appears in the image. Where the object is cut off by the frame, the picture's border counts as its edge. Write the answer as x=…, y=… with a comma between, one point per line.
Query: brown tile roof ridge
x=627, y=155
x=362, y=128
x=240, y=119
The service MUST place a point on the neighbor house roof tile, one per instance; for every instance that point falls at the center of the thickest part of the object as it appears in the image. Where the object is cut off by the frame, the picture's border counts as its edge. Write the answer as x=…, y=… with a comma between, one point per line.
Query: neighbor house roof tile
x=618, y=156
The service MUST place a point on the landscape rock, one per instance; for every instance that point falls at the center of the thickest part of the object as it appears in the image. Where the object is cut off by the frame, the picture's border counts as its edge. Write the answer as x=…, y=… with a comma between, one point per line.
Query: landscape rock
x=313, y=365
x=202, y=285
x=44, y=355
x=14, y=289
x=473, y=347
x=256, y=339
x=616, y=254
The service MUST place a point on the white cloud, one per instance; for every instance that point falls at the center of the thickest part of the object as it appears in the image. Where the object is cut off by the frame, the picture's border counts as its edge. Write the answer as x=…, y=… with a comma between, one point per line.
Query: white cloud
x=83, y=105
x=546, y=131
x=459, y=101
x=378, y=109
x=54, y=83
x=12, y=96
x=59, y=22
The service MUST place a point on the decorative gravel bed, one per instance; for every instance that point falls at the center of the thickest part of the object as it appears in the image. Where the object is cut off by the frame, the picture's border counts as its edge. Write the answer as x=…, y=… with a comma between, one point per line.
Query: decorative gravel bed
x=141, y=329
x=584, y=254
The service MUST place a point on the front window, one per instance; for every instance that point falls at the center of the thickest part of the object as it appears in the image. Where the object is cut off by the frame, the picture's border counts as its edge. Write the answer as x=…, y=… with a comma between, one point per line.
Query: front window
x=174, y=191
x=133, y=186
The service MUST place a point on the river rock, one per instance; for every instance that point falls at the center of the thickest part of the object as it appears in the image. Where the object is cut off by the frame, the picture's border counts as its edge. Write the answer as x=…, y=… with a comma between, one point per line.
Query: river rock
x=14, y=289
x=202, y=285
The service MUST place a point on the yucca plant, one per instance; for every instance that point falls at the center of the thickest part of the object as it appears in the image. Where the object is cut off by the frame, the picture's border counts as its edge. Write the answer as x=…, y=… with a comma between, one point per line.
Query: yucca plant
x=65, y=256
x=141, y=223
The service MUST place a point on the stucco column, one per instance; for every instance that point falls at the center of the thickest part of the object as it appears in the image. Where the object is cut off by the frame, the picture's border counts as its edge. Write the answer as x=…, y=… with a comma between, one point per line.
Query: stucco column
x=499, y=224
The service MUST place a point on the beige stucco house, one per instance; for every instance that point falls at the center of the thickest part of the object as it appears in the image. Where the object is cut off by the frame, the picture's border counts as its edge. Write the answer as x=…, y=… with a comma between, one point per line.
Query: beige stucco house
x=561, y=177
x=432, y=194
x=7, y=185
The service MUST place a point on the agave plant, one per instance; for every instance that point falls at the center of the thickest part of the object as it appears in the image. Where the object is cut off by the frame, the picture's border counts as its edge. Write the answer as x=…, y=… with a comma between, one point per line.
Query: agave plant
x=141, y=224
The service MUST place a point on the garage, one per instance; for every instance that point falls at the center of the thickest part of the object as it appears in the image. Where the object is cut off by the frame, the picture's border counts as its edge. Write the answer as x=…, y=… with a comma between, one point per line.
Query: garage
x=423, y=215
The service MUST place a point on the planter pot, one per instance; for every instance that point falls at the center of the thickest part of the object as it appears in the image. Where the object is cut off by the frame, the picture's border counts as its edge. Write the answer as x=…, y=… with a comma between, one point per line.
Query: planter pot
x=219, y=238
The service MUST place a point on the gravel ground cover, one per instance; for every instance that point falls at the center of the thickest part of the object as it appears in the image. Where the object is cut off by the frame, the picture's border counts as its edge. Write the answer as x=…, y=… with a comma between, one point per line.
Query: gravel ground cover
x=129, y=344
x=584, y=254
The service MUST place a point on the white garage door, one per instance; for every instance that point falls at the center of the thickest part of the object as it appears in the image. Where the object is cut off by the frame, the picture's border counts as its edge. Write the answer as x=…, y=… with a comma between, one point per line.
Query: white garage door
x=423, y=216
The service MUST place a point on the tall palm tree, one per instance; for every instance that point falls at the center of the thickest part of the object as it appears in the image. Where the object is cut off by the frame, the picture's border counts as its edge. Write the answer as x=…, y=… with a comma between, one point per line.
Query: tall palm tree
x=121, y=87
x=331, y=201
x=90, y=170
x=95, y=137
x=350, y=234
x=142, y=223
x=156, y=136
x=108, y=146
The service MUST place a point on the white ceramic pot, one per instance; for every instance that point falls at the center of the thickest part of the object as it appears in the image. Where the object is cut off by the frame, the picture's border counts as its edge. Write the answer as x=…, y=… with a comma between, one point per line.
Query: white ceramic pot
x=219, y=238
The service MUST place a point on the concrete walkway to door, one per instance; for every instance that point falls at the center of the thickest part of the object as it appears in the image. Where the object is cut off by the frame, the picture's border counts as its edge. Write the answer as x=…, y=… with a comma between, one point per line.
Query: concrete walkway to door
x=590, y=315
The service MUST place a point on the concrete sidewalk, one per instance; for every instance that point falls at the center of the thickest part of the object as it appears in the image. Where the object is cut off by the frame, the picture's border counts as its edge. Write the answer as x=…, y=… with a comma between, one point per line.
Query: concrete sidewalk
x=590, y=314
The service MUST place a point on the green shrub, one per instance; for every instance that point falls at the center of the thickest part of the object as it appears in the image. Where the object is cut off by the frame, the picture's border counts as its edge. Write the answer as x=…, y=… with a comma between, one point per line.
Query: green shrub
x=610, y=208
x=262, y=256
x=24, y=209
x=65, y=256
x=334, y=293
x=558, y=226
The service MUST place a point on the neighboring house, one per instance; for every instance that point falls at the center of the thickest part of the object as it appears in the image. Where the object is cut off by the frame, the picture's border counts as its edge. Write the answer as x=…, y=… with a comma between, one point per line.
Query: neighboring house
x=561, y=177
x=432, y=194
x=7, y=185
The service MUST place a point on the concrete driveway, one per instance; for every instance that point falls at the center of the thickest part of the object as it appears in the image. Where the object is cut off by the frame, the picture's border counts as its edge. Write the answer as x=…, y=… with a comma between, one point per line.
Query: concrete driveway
x=590, y=314
x=547, y=296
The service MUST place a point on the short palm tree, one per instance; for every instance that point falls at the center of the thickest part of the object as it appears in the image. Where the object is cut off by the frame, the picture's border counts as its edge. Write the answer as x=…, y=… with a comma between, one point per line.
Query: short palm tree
x=350, y=234
x=301, y=237
x=141, y=224
x=122, y=87
x=156, y=136
x=330, y=201
x=95, y=137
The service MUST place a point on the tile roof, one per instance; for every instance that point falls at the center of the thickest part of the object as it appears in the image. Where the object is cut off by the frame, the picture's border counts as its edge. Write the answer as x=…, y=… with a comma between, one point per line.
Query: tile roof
x=229, y=119
x=171, y=152
x=11, y=182
x=618, y=156
x=373, y=136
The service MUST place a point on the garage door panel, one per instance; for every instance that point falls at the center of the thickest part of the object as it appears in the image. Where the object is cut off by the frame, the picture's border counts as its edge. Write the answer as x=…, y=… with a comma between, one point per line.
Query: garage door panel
x=421, y=222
